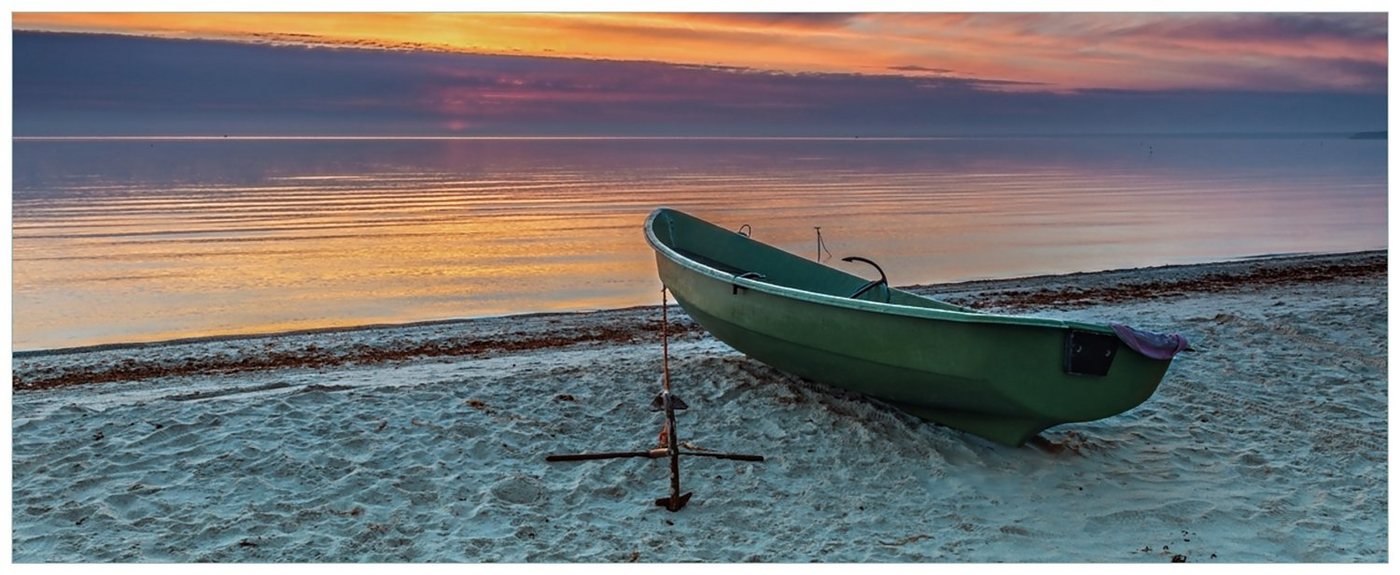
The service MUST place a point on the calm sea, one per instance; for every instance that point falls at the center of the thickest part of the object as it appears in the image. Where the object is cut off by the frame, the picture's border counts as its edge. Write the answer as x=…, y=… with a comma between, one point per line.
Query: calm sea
x=143, y=240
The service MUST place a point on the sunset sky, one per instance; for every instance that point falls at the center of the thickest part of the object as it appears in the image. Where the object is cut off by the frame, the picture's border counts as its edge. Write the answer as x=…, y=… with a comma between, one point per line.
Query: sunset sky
x=696, y=74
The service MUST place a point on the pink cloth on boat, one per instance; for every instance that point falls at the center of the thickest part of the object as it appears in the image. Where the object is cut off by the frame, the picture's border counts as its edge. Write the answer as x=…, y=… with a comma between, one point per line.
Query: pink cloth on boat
x=1151, y=344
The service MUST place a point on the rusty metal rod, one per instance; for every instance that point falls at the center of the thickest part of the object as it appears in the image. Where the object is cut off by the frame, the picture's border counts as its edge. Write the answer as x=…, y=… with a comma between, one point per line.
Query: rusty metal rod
x=591, y=456
x=653, y=454
x=737, y=456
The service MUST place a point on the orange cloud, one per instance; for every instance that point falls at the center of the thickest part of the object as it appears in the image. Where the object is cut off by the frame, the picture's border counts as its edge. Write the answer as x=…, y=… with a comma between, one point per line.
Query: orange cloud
x=1059, y=52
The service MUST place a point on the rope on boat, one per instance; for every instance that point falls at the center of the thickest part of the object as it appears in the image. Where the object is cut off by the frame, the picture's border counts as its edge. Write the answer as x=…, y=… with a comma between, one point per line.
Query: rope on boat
x=665, y=346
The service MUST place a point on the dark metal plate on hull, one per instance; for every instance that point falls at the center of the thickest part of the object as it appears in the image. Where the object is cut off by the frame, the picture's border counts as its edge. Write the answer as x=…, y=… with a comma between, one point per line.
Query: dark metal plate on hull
x=1089, y=353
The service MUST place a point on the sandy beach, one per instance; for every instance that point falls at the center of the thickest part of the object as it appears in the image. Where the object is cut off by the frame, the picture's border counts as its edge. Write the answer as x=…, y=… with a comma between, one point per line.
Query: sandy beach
x=426, y=442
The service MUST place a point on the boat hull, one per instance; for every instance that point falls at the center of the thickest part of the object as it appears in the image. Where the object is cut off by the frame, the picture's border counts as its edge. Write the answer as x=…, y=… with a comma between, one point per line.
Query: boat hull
x=998, y=377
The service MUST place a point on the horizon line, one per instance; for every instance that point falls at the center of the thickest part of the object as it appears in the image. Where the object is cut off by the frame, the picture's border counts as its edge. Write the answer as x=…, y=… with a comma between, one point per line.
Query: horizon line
x=677, y=137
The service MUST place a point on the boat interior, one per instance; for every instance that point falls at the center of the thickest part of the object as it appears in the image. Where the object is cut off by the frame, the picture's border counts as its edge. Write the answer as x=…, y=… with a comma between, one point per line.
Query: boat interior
x=733, y=252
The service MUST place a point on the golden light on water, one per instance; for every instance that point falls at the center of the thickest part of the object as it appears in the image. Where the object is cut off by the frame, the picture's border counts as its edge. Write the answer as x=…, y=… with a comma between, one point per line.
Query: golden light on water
x=282, y=235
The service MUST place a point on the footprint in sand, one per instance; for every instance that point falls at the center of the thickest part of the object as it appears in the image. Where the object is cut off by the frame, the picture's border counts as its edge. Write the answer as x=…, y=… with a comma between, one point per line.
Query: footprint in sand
x=519, y=490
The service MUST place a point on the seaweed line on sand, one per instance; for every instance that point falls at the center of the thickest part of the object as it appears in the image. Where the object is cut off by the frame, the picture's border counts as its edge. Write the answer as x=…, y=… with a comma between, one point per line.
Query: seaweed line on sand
x=1260, y=274
x=313, y=356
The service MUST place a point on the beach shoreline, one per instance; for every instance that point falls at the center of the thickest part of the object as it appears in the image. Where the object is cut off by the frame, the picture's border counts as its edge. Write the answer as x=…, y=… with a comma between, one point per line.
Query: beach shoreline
x=1077, y=289
x=425, y=442
x=1232, y=270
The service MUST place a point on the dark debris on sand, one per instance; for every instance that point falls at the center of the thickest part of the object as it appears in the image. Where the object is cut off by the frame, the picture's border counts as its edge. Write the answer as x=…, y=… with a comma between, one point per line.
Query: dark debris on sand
x=1263, y=275
x=312, y=356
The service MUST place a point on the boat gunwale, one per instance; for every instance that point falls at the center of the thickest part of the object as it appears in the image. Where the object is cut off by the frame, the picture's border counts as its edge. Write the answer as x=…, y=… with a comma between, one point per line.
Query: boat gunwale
x=855, y=304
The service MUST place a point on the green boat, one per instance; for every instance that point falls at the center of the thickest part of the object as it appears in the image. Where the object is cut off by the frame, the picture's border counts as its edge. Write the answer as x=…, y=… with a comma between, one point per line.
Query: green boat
x=1001, y=377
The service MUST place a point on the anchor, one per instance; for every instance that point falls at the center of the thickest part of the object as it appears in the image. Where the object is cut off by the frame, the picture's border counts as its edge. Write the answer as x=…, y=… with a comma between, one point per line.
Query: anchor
x=669, y=439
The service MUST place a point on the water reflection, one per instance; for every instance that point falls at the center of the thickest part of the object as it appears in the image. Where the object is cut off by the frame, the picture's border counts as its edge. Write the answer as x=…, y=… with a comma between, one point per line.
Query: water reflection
x=148, y=240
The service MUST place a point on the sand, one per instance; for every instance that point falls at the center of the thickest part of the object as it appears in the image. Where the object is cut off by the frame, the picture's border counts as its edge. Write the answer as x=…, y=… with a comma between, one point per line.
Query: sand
x=426, y=443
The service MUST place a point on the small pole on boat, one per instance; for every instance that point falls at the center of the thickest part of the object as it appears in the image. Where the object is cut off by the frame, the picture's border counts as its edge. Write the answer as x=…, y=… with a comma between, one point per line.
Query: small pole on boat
x=669, y=438
x=821, y=245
